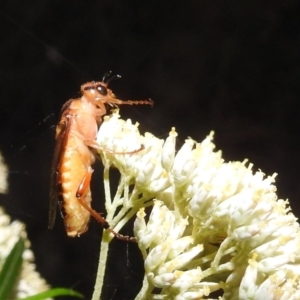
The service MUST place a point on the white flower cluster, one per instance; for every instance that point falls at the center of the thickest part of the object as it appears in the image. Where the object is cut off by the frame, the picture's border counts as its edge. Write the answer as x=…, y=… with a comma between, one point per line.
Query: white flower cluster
x=214, y=225
x=29, y=282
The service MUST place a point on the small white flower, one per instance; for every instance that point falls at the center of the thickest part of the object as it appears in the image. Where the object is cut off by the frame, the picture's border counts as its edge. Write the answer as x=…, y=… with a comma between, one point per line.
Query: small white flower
x=3, y=176
x=144, y=165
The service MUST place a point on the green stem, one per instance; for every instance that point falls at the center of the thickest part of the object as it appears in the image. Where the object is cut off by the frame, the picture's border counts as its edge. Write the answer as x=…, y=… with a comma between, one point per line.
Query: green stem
x=101, y=265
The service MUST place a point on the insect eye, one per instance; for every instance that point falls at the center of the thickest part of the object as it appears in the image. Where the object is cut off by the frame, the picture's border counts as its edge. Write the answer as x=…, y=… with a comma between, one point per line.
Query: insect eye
x=102, y=90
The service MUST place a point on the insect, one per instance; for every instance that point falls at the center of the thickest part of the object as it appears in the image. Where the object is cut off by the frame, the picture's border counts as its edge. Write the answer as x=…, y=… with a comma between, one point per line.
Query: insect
x=74, y=155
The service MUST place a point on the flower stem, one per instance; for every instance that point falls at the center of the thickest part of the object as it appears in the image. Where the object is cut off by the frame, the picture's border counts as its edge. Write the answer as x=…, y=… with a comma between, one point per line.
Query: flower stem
x=101, y=265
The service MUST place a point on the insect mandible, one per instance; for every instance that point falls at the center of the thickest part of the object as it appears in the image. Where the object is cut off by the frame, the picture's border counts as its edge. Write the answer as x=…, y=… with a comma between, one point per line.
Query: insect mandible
x=74, y=154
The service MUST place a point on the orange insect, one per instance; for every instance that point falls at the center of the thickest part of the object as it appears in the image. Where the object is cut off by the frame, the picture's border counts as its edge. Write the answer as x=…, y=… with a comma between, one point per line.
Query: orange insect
x=74, y=154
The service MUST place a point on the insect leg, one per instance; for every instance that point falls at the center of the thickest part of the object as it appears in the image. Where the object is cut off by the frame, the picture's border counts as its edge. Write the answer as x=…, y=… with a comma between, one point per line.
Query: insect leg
x=84, y=185
x=95, y=145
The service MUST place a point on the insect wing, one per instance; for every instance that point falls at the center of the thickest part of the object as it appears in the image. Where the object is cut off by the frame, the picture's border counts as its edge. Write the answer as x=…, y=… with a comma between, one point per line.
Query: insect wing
x=61, y=140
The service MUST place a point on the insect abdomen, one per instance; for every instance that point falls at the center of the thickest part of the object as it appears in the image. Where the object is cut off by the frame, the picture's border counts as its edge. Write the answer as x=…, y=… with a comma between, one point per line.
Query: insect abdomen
x=73, y=170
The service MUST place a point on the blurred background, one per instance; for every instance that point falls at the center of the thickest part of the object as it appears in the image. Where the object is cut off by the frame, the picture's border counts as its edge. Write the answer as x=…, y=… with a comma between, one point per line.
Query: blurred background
x=228, y=66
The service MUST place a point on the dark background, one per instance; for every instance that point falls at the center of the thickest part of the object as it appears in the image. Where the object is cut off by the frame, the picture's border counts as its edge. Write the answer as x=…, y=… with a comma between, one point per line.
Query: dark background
x=227, y=66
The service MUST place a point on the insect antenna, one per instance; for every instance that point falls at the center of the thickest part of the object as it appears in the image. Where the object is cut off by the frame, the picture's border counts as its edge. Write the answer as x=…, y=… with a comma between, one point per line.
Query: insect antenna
x=106, y=75
x=108, y=79
x=115, y=77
